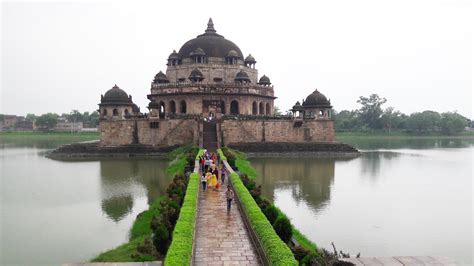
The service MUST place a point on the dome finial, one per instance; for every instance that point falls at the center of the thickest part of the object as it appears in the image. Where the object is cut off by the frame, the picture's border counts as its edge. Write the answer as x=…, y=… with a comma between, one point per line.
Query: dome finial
x=210, y=26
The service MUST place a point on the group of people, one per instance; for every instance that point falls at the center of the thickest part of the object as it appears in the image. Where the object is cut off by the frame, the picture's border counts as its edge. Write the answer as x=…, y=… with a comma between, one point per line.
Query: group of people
x=212, y=176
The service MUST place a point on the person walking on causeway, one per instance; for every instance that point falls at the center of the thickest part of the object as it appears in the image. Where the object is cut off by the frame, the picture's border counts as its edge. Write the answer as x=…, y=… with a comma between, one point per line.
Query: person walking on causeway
x=229, y=195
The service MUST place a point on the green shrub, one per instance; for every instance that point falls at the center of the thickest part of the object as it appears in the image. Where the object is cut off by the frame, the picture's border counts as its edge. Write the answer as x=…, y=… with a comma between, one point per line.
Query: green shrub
x=181, y=249
x=161, y=238
x=271, y=212
x=141, y=226
x=146, y=252
x=300, y=252
x=277, y=251
x=256, y=192
x=221, y=155
x=283, y=228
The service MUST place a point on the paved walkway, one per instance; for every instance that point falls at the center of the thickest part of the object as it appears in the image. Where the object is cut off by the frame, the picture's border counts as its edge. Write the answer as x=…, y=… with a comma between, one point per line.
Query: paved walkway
x=221, y=238
x=400, y=261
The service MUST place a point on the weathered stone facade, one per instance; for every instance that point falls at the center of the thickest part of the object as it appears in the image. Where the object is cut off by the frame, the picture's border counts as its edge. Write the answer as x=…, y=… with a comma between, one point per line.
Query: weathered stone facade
x=276, y=130
x=210, y=78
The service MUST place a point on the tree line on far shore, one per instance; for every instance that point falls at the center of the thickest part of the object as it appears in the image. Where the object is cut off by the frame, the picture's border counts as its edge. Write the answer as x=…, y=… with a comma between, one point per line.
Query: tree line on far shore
x=50, y=120
x=371, y=117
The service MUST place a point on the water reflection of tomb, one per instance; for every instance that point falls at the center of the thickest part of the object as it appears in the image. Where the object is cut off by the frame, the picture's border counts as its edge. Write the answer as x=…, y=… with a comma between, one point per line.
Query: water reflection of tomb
x=123, y=180
x=308, y=179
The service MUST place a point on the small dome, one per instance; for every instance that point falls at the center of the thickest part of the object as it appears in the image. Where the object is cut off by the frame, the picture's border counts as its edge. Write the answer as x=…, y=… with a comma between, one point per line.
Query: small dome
x=242, y=76
x=297, y=106
x=160, y=78
x=250, y=60
x=232, y=53
x=173, y=55
x=316, y=99
x=264, y=80
x=135, y=109
x=116, y=96
x=153, y=105
x=198, y=51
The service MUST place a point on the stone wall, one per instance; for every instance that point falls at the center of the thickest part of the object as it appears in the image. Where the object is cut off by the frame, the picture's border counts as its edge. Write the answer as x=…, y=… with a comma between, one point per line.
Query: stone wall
x=169, y=132
x=210, y=71
x=116, y=132
x=155, y=132
x=238, y=131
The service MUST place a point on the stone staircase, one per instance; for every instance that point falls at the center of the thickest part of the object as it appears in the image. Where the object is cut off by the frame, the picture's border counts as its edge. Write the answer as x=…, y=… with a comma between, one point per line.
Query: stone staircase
x=209, y=136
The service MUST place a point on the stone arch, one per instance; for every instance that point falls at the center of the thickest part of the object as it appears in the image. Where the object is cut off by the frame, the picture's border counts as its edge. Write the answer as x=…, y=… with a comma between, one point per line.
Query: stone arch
x=268, y=108
x=234, y=107
x=261, y=109
x=162, y=109
x=126, y=112
x=115, y=112
x=254, y=108
x=104, y=112
x=183, y=107
x=172, y=107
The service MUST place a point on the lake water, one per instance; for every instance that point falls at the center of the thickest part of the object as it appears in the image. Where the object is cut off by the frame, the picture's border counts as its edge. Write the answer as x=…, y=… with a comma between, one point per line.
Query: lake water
x=414, y=198
x=54, y=212
x=397, y=198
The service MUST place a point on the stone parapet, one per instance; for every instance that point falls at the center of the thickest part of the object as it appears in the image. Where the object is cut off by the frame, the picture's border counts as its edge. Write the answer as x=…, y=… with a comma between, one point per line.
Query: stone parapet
x=210, y=88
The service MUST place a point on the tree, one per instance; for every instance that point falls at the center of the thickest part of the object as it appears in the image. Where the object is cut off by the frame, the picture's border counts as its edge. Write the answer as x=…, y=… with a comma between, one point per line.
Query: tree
x=392, y=119
x=47, y=121
x=31, y=117
x=371, y=110
x=91, y=119
x=277, y=110
x=453, y=123
x=424, y=122
x=346, y=121
x=75, y=116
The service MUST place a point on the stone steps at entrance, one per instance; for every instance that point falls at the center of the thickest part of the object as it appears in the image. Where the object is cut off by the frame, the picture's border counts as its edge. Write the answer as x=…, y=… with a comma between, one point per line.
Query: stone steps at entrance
x=209, y=136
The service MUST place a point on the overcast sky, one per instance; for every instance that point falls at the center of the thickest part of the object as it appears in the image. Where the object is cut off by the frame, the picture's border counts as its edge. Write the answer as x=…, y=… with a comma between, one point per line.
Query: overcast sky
x=59, y=56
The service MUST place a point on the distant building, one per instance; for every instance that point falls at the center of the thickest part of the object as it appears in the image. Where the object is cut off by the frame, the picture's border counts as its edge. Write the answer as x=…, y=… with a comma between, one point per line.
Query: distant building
x=89, y=129
x=9, y=122
x=24, y=125
x=64, y=126
x=14, y=122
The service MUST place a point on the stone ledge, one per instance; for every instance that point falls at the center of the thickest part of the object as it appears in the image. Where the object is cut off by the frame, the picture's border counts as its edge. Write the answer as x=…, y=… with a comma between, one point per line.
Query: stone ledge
x=93, y=150
x=297, y=148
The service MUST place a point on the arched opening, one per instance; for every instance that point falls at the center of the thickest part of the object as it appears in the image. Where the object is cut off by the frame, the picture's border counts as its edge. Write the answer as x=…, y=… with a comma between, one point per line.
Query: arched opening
x=162, y=110
x=115, y=112
x=104, y=112
x=126, y=112
x=234, y=107
x=183, y=107
x=173, y=107
x=254, y=108
x=223, y=107
x=268, y=109
x=321, y=113
x=261, y=109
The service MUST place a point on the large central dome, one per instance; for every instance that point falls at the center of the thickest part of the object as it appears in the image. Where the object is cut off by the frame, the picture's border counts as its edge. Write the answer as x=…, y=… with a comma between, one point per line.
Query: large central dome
x=213, y=44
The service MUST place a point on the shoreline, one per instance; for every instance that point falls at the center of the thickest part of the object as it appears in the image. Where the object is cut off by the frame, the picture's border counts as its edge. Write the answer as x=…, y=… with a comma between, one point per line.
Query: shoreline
x=91, y=150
